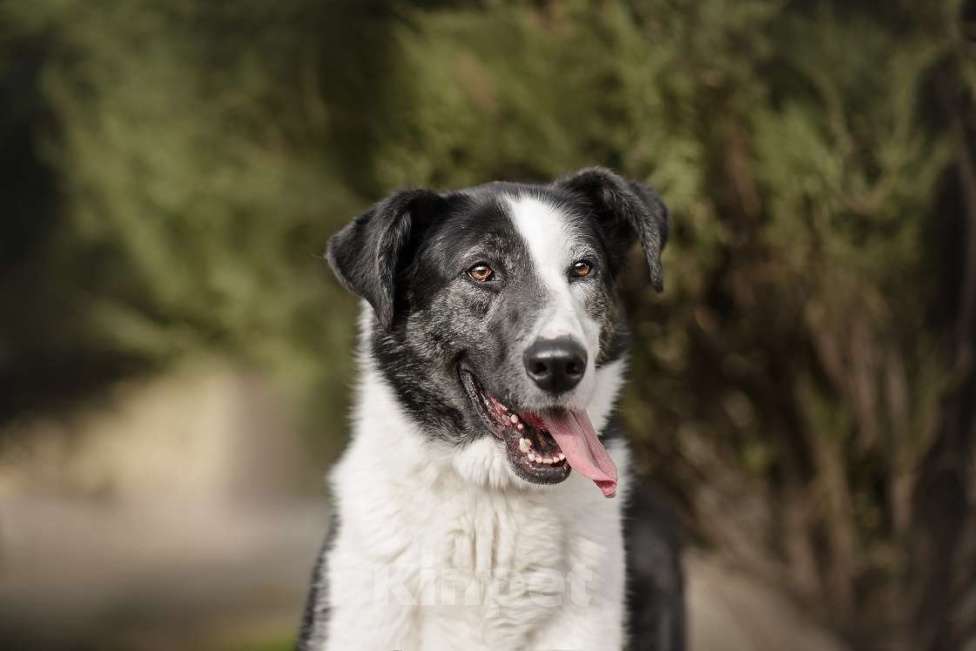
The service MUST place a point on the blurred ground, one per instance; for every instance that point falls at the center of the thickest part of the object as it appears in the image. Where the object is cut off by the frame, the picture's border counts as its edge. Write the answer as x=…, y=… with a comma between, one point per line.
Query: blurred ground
x=181, y=536
x=172, y=515
x=79, y=575
x=729, y=611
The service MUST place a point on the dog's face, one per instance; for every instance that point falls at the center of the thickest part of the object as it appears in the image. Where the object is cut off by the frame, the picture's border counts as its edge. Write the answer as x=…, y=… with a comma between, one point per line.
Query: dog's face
x=496, y=312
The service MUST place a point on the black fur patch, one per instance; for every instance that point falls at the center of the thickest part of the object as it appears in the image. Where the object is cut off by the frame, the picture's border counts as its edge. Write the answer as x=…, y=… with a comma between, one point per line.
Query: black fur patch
x=449, y=319
x=315, y=618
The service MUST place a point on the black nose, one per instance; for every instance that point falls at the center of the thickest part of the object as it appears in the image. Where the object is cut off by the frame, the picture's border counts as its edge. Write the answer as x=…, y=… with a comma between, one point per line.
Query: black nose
x=556, y=365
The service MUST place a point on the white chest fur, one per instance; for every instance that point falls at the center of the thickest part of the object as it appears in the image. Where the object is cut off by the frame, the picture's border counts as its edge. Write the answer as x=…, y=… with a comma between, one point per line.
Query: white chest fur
x=439, y=551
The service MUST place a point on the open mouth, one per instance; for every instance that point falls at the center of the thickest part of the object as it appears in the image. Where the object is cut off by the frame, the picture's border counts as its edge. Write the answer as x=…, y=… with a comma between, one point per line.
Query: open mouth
x=544, y=446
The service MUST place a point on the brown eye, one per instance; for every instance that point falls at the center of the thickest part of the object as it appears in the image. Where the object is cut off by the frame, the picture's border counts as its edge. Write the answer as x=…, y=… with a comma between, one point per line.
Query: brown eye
x=582, y=269
x=481, y=273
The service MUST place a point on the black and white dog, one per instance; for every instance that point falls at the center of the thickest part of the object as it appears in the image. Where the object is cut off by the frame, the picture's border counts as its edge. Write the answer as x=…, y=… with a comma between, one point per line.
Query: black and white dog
x=471, y=507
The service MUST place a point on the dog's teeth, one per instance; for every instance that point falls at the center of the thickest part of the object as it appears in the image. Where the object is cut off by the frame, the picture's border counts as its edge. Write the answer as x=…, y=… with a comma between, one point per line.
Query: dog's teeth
x=503, y=408
x=560, y=457
x=520, y=426
x=525, y=445
x=513, y=418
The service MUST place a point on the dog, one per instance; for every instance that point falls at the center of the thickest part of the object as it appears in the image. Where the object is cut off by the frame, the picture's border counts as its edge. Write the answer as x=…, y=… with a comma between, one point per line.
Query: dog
x=482, y=503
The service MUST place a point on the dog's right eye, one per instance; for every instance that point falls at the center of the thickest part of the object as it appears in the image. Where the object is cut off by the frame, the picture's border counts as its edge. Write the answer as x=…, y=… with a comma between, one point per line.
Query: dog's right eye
x=481, y=273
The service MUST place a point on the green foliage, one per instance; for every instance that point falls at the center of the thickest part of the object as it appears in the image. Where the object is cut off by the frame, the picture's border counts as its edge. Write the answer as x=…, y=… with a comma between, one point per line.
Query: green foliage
x=276, y=645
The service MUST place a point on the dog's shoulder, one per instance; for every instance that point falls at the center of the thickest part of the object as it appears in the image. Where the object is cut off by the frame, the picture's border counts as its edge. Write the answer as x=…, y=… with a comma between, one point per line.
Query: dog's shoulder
x=655, y=577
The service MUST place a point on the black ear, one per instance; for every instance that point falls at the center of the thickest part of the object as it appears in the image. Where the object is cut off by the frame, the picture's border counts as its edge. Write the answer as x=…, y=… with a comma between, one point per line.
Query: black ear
x=626, y=210
x=368, y=254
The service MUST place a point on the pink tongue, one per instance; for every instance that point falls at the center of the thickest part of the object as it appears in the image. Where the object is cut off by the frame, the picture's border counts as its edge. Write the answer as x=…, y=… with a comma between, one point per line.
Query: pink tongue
x=577, y=439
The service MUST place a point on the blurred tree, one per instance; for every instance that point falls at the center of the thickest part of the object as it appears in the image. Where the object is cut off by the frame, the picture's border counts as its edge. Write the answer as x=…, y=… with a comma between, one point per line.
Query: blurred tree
x=805, y=388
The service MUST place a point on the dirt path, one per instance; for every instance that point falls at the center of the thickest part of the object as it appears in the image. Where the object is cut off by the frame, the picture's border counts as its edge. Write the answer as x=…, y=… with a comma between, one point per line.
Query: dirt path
x=78, y=575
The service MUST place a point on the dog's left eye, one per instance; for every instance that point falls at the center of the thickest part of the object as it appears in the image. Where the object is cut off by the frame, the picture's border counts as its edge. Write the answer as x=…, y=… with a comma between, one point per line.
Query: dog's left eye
x=581, y=269
x=481, y=273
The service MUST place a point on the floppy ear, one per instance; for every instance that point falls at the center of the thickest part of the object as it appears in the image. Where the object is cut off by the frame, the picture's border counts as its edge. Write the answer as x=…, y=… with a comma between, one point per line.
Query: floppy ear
x=625, y=210
x=368, y=254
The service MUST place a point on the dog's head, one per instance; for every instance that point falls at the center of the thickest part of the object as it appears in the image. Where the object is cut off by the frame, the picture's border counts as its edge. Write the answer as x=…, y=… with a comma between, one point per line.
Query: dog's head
x=496, y=320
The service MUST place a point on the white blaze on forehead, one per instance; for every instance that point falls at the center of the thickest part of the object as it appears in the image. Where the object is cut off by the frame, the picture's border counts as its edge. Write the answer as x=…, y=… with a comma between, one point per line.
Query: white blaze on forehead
x=553, y=242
